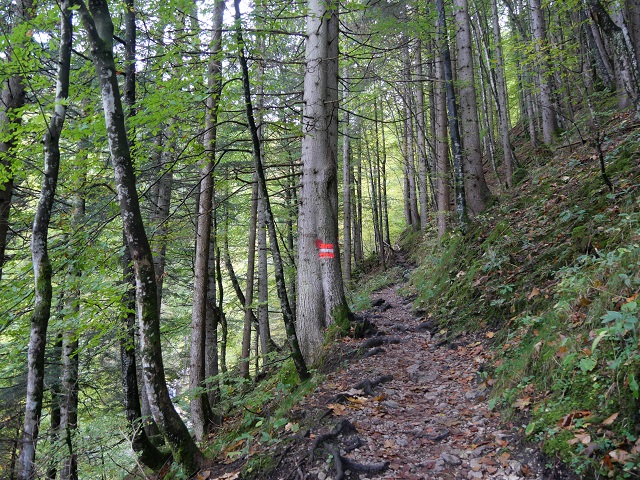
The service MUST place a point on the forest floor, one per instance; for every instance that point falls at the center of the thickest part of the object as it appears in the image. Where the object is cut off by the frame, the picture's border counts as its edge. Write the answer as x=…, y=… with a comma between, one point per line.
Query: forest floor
x=408, y=404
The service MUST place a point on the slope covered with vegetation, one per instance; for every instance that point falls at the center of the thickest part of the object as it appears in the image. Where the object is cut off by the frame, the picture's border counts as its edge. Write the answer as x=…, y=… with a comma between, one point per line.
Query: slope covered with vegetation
x=550, y=274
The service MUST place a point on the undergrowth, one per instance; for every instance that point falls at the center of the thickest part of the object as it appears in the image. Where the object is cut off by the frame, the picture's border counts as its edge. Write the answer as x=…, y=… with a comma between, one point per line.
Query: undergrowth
x=552, y=270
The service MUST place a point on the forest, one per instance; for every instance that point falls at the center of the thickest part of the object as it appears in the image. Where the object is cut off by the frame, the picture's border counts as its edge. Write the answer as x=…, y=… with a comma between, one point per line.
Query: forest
x=200, y=201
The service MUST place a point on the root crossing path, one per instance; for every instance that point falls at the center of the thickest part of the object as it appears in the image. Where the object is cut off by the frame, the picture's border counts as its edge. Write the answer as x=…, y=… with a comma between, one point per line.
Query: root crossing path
x=415, y=407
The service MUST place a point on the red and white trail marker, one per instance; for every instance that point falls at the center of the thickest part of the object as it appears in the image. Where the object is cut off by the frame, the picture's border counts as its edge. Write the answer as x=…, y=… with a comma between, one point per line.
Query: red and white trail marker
x=325, y=250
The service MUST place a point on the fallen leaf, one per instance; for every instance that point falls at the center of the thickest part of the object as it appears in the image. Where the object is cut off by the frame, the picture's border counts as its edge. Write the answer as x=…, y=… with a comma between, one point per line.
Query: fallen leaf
x=490, y=334
x=533, y=293
x=522, y=403
x=619, y=455
x=526, y=470
x=504, y=458
x=609, y=420
x=567, y=420
x=337, y=408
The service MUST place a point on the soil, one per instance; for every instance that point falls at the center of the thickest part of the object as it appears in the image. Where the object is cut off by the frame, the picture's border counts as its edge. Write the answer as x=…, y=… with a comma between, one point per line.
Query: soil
x=423, y=415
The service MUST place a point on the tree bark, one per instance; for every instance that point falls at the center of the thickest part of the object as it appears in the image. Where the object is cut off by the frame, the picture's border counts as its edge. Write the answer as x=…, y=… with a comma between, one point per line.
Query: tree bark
x=347, y=186
x=442, y=150
x=40, y=256
x=502, y=97
x=99, y=26
x=475, y=186
x=549, y=118
x=421, y=144
x=454, y=131
x=287, y=314
x=321, y=298
x=201, y=412
x=251, y=267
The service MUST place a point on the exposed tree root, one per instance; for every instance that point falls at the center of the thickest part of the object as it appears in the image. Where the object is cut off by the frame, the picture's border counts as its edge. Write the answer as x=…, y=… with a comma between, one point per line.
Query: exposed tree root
x=340, y=462
x=368, y=385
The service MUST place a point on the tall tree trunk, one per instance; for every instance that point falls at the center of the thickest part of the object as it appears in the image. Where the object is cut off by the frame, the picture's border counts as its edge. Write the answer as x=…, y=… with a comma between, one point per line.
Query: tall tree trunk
x=421, y=133
x=347, y=186
x=475, y=186
x=251, y=267
x=99, y=28
x=442, y=149
x=162, y=204
x=321, y=298
x=358, y=250
x=502, y=98
x=201, y=412
x=409, y=142
x=140, y=425
x=40, y=256
x=454, y=131
x=287, y=314
x=549, y=117
x=264, y=333
x=70, y=358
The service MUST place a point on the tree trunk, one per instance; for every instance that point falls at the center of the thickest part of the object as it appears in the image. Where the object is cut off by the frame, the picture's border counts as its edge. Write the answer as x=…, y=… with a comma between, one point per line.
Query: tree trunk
x=321, y=298
x=442, y=150
x=502, y=98
x=138, y=422
x=162, y=205
x=549, y=118
x=347, y=186
x=475, y=186
x=70, y=358
x=201, y=412
x=99, y=27
x=454, y=132
x=409, y=142
x=421, y=133
x=40, y=256
x=287, y=314
x=251, y=267
x=263, y=283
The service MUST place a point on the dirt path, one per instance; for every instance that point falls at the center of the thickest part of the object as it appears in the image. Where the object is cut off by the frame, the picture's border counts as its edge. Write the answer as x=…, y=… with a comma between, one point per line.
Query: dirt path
x=431, y=421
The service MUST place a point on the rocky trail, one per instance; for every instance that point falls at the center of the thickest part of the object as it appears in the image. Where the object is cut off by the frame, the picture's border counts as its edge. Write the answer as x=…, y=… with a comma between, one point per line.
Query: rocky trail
x=409, y=405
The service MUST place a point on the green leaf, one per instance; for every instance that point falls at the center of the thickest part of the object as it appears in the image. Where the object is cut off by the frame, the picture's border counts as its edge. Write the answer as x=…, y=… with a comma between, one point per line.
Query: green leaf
x=588, y=364
x=633, y=386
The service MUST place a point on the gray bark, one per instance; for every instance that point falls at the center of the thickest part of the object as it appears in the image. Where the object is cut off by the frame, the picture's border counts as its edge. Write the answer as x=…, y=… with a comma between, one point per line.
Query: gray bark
x=251, y=267
x=502, y=97
x=454, y=132
x=421, y=144
x=549, y=118
x=99, y=27
x=443, y=194
x=321, y=298
x=475, y=186
x=201, y=412
x=347, y=186
x=40, y=256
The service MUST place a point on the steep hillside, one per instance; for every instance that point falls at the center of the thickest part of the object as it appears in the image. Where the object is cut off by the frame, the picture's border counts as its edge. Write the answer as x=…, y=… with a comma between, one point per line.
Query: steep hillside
x=550, y=274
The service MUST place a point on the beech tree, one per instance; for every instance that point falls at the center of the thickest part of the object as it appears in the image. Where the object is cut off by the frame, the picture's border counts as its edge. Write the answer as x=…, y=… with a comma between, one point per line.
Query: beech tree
x=98, y=25
x=42, y=268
